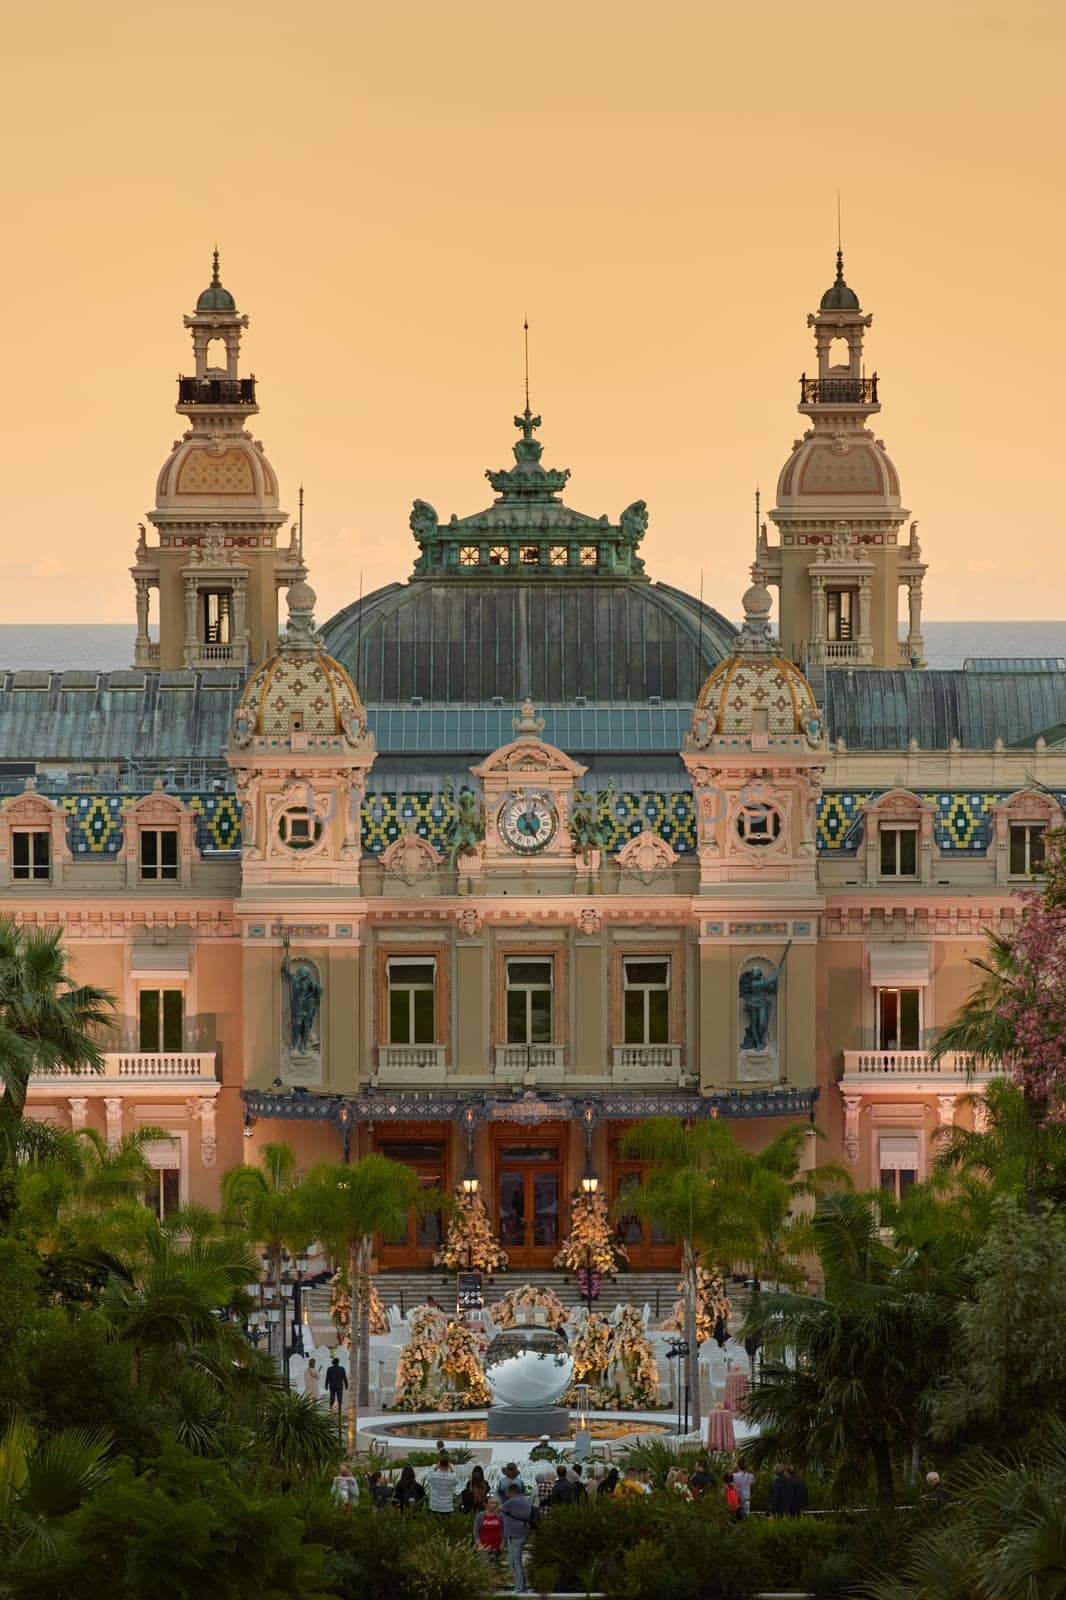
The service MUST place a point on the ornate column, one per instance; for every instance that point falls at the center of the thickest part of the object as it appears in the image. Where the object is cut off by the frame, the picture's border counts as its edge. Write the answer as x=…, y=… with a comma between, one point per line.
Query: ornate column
x=915, y=642
x=205, y=1110
x=113, y=1112
x=852, y=1108
x=817, y=652
x=79, y=1111
x=141, y=586
x=866, y=647
x=192, y=631
x=240, y=622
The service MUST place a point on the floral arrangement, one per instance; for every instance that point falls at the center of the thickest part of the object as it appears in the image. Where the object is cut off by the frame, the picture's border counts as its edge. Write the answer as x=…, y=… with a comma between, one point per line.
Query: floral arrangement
x=592, y=1247
x=441, y=1367
x=340, y=1306
x=503, y=1313
x=463, y=1368
x=617, y=1362
x=470, y=1242
x=417, y=1375
x=712, y=1303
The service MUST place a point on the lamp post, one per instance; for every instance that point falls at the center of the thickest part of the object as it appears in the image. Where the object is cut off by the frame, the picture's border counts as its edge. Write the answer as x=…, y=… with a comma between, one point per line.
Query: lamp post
x=589, y=1184
x=469, y=1187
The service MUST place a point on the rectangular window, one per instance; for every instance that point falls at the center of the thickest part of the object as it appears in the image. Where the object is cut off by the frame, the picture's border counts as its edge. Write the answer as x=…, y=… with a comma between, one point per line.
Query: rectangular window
x=899, y=850
x=161, y=1019
x=31, y=856
x=838, y=613
x=165, y=1195
x=412, y=1000
x=529, y=1000
x=646, y=994
x=159, y=855
x=899, y=1019
x=1026, y=848
x=218, y=616
x=897, y=1181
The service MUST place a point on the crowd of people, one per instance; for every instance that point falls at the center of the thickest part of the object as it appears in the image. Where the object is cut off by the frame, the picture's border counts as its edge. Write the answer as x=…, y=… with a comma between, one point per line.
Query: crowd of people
x=506, y=1511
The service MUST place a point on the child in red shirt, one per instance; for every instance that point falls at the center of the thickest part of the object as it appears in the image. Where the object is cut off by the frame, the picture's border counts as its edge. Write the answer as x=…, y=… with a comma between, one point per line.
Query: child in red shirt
x=488, y=1530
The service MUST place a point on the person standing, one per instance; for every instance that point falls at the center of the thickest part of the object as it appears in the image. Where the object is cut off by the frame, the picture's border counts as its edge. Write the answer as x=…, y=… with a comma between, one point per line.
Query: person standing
x=744, y=1480
x=408, y=1493
x=345, y=1487
x=777, y=1503
x=609, y=1484
x=441, y=1485
x=702, y=1479
x=509, y=1478
x=488, y=1531
x=798, y=1497
x=474, y=1497
x=517, y=1522
x=731, y=1497
x=336, y=1383
x=312, y=1380
x=563, y=1492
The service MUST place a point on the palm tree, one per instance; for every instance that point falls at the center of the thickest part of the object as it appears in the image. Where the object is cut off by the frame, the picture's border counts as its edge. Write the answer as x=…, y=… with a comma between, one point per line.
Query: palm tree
x=267, y=1201
x=170, y=1307
x=47, y=1022
x=979, y=1028
x=346, y=1206
x=1012, y=1153
x=776, y=1180
x=694, y=1189
x=853, y=1400
x=41, y=1485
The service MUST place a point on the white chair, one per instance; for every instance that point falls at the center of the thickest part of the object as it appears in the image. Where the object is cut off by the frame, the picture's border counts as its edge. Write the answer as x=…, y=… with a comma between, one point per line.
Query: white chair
x=540, y=1316
x=646, y=1316
x=396, y=1320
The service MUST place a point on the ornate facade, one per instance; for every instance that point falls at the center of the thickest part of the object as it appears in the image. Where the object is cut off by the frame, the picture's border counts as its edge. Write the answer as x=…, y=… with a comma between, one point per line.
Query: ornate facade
x=531, y=846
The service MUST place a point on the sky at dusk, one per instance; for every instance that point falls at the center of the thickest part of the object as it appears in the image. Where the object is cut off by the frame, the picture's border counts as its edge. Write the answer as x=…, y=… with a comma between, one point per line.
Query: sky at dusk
x=394, y=186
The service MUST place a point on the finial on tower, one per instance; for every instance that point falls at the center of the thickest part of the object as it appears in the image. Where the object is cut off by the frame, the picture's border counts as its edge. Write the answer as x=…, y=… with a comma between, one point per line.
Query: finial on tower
x=525, y=331
x=215, y=279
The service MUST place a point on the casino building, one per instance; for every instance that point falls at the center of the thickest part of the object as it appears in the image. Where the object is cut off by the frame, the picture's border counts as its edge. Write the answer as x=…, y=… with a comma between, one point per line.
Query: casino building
x=530, y=846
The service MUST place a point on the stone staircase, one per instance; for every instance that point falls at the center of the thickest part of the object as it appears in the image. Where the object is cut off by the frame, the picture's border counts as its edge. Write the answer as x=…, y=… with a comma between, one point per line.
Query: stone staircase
x=409, y=1289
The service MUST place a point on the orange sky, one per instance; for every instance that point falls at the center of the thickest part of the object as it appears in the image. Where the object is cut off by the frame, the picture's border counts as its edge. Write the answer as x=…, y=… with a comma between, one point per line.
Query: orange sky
x=394, y=185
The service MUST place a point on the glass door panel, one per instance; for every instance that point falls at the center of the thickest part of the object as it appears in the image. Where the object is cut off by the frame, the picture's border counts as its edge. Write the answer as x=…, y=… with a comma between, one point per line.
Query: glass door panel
x=545, y=1208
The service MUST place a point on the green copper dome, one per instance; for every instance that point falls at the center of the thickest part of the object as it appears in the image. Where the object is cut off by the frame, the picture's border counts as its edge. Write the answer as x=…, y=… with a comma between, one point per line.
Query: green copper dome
x=839, y=297
x=215, y=297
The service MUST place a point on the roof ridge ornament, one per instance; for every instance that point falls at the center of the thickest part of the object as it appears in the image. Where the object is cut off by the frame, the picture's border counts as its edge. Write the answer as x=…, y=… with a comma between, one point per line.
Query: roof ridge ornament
x=528, y=725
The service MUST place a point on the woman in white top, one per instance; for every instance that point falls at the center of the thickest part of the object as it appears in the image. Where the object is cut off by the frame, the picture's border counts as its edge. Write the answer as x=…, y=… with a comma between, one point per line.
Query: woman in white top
x=312, y=1379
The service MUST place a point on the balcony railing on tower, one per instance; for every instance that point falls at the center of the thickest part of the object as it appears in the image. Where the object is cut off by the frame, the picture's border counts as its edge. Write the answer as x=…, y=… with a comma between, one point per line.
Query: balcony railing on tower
x=838, y=391
x=216, y=391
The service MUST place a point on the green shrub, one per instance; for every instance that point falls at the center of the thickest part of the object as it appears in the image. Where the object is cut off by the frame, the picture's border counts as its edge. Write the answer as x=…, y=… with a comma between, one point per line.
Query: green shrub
x=436, y=1570
x=791, y=1549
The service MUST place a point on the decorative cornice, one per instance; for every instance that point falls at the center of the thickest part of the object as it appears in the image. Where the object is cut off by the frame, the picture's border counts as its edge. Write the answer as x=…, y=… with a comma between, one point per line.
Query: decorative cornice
x=346, y=1111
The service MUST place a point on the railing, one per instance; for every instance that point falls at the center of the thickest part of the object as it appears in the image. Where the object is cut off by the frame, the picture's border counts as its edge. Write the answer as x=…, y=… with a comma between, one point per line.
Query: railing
x=912, y=1064
x=216, y=391
x=646, y=1063
x=216, y=652
x=146, y=652
x=138, y=1066
x=820, y=651
x=838, y=391
x=411, y=1063
x=544, y=1061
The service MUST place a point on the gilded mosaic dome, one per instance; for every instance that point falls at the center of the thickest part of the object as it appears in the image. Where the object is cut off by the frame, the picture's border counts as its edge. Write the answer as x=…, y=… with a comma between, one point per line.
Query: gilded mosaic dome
x=301, y=691
x=756, y=678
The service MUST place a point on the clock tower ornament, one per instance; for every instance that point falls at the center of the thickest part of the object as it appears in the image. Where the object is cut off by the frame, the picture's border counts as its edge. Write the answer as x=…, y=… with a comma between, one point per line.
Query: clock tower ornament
x=528, y=788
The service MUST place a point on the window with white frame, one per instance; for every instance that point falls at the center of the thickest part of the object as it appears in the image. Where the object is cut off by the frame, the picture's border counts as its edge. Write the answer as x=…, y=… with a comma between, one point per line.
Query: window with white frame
x=897, y=1163
x=159, y=855
x=646, y=999
x=529, y=999
x=412, y=982
x=160, y=1019
x=31, y=855
x=164, y=1194
x=899, y=1019
x=839, y=608
x=1026, y=848
x=899, y=849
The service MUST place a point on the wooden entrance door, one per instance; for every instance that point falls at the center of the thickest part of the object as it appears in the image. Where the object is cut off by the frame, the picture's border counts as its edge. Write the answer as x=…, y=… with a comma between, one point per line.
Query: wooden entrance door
x=648, y=1250
x=530, y=1192
x=414, y=1246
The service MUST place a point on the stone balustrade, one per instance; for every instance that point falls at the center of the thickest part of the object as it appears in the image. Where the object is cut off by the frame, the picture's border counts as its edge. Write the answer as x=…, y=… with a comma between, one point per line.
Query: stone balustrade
x=955, y=1064
x=138, y=1067
x=646, y=1063
x=411, y=1063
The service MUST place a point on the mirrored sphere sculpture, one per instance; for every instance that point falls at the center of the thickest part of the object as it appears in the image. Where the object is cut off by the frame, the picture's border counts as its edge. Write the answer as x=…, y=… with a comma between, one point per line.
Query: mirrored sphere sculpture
x=528, y=1367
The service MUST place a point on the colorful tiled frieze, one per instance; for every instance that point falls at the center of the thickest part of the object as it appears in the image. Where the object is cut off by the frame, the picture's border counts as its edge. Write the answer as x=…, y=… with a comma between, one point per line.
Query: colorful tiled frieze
x=963, y=823
x=962, y=826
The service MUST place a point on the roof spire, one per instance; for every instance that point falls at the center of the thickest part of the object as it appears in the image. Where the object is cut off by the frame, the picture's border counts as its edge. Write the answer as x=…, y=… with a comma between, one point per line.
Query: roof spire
x=215, y=279
x=525, y=330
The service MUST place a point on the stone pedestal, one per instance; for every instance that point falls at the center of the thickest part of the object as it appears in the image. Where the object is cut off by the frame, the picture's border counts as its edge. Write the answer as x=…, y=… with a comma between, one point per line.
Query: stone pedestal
x=528, y=1422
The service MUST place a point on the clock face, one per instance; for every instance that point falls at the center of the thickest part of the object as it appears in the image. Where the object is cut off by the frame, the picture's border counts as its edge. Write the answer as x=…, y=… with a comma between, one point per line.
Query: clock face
x=528, y=822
